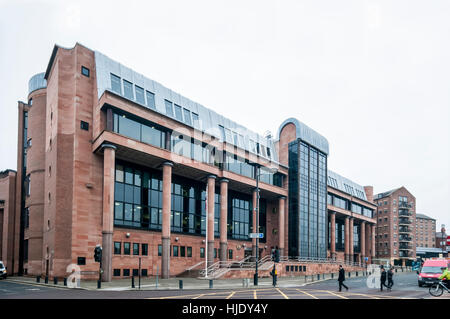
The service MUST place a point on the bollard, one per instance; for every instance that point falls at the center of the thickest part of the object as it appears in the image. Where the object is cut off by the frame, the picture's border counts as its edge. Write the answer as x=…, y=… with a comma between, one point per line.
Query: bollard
x=132, y=282
x=38, y=279
x=55, y=280
x=99, y=284
x=180, y=284
x=318, y=276
x=332, y=275
x=356, y=274
x=210, y=283
x=65, y=281
x=46, y=279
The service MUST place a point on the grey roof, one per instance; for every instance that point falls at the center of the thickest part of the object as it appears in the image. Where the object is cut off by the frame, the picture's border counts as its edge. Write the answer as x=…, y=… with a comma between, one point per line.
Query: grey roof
x=37, y=82
x=209, y=120
x=345, y=185
x=306, y=134
x=385, y=194
x=423, y=216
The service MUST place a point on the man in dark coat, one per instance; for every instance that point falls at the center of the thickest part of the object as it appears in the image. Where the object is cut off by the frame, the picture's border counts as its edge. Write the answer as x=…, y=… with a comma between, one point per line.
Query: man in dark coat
x=383, y=278
x=390, y=274
x=341, y=278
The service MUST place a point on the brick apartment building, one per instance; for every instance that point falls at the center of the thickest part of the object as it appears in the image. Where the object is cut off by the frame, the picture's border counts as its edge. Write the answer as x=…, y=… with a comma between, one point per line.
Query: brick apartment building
x=425, y=231
x=107, y=156
x=396, y=226
x=8, y=253
x=441, y=238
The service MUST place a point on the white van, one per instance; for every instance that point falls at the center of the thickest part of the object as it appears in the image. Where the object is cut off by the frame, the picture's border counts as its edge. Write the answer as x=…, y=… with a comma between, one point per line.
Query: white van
x=2, y=270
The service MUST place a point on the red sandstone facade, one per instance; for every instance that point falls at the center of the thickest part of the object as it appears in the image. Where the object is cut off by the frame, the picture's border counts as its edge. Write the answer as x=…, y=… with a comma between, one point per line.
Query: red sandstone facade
x=70, y=182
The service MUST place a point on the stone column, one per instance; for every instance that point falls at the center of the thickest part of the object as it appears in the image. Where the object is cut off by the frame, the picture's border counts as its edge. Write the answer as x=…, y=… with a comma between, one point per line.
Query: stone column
x=166, y=207
x=363, y=241
x=211, y=194
x=347, y=238
x=254, y=222
x=351, y=237
x=333, y=235
x=373, y=241
x=223, y=219
x=281, y=232
x=109, y=157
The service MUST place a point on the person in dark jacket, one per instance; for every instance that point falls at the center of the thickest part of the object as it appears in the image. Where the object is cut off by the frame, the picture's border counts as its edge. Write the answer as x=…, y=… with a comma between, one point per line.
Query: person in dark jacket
x=341, y=278
x=383, y=278
x=390, y=275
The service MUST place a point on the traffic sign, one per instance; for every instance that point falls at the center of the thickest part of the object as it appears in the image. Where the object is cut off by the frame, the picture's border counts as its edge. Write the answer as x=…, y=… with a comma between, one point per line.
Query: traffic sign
x=256, y=235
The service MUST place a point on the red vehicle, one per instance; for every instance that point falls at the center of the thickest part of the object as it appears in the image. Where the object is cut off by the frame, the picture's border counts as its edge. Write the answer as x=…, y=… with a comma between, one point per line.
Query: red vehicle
x=431, y=271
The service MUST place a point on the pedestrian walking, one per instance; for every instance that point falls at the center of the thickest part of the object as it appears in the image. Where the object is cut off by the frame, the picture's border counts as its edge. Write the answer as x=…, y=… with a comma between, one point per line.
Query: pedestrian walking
x=341, y=278
x=383, y=278
x=390, y=275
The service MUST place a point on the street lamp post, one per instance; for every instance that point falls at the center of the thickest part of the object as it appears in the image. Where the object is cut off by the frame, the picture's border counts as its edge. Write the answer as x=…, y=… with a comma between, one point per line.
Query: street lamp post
x=255, y=279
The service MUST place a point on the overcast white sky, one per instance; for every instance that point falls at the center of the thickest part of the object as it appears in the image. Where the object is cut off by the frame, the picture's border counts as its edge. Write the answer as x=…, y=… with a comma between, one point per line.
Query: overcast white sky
x=373, y=77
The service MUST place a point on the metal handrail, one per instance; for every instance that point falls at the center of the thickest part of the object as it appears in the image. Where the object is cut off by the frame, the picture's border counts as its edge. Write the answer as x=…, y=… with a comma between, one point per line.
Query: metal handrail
x=195, y=266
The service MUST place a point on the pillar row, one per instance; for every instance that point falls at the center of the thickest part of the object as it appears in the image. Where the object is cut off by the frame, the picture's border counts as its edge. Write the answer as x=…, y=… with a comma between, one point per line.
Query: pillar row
x=351, y=237
x=223, y=219
x=165, y=234
x=109, y=158
x=281, y=217
x=347, y=238
x=210, y=236
x=363, y=241
x=333, y=235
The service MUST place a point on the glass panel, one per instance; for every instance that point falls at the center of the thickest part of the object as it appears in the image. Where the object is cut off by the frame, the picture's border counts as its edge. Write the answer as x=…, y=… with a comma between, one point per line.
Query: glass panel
x=178, y=114
x=139, y=95
x=129, y=128
x=128, y=89
x=119, y=173
x=169, y=110
x=129, y=175
x=187, y=117
x=151, y=135
x=150, y=100
x=115, y=84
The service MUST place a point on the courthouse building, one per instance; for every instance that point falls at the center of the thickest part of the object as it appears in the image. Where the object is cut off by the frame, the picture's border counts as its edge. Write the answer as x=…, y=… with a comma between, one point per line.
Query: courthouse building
x=107, y=156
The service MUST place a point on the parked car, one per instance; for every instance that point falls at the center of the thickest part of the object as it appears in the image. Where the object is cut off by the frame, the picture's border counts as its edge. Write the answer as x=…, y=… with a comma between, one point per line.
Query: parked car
x=3, y=273
x=431, y=270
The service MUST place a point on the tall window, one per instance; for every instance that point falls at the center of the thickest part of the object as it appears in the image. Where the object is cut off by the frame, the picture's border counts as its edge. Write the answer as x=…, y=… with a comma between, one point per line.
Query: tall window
x=240, y=219
x=115, y=84
x=150, y=100
x=178, y=114
x=169, y=109
x=128, y=89
x=139, y=94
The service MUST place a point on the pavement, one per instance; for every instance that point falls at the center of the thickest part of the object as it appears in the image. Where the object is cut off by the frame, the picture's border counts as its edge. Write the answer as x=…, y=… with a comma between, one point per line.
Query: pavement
x=405, y=287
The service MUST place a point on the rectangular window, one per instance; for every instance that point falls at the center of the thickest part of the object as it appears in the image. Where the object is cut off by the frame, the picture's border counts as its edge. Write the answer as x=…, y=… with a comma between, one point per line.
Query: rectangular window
x=202, y=252
x=116, y=272
x=230, y=253
x=84, y=126
x=117, y=248
x=169, y=109
x=139, y=94
x=182, y=251
x=115, y=84
x=126, y=272
x=159, y=250
x=144, y=273
x=195, y=120
x=85, y=71
x=81, y=261
x=126, y=248
x=187, y=117
x=128, y=89
x=189, y=251
x=135, y=249
x=150, y=100
x=175, y=251
x=178, y=114
x=144, y=249
x=135, y=272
